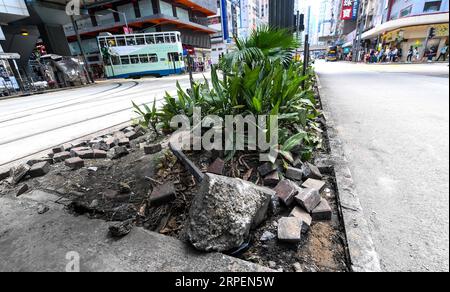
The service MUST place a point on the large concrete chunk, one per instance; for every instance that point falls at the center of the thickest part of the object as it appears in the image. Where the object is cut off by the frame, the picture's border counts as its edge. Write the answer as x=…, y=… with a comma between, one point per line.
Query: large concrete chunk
x=224, y=211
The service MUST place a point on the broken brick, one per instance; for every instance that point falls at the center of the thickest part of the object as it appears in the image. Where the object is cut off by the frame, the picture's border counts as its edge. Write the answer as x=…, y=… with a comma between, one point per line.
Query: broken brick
x=294, y=173
x=19, y=172
x=308, y=199
x=42, y=159
x=290, y=229
x=117, y=152
x=267, y=168
x=314, y=184
x=123, y=142
x=311, y=171
x=60, y=157
x=75, y=163
x=163, y=194
x=216, y=167
x=304, y=216
x=322, y=212
x=286, y=191
x=131, y=135
x=39, y=169
x=22, y=190
x=272, y=179
x=152, y=149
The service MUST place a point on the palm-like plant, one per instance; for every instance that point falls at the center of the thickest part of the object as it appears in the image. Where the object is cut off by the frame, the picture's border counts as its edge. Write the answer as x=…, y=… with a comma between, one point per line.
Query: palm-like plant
x=265, y=44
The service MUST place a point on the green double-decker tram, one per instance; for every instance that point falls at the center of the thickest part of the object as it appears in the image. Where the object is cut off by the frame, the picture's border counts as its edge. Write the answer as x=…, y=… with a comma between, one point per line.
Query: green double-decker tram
x=134, y=55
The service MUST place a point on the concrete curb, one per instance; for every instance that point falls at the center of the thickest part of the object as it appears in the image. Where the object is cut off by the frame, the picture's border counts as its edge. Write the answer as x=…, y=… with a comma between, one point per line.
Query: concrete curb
x=362, y=253
x=45, y=91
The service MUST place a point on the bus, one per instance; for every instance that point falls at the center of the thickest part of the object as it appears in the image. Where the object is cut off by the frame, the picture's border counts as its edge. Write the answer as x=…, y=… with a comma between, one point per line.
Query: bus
x=134, y=55
x=332, y=54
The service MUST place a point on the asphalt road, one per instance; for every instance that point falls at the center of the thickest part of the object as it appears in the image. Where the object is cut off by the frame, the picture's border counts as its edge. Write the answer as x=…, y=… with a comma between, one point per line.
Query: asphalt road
x=394, y=123
x=29, y=125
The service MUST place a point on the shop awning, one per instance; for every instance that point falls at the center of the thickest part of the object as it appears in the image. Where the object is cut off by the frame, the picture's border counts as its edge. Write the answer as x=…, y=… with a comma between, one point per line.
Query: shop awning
x=347, y=45
x=427, y=19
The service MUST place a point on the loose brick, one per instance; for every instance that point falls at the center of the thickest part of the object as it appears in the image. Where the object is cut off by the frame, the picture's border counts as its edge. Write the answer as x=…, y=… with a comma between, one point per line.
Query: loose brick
x=163, y=194
x=297, y=163
x=308, y=199
x=58, y=149
x=216, y=167
x=294, y=173
x=267, y=168
x=152, y=149
x=117, y=152
x=98, y=154
x=60, y=157
x=272, y=179
x=67, y=146
x=311, y=171
x=314, y=184
x=286, y=191
x=131, y=135
x=42, y=159
x=87, y=154
x=75, y=163
x=304, y=216
x=290, y=229
x=110, y=142
x=39, y=169
x=322, y=212
x=123, y=142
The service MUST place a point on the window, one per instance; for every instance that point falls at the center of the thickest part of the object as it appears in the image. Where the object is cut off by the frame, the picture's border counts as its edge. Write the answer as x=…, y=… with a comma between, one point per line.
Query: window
x=115, y=60
x=153, y=58
x=140, y=41
x=150, y=39
x=159, y=39
x=131, y=41
x=111, y=42
x=121, y=41
x=432, y=6
x=102, y=43
x=178, y=37
x=134, y=59
x=125, y=60
x=143, y=59
x=167, y=39
x=173, y=39
x=173, y=57
x=406, y=12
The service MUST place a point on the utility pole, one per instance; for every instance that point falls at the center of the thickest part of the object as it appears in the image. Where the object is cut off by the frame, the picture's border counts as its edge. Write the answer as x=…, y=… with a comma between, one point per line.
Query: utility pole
x=359, y=28
x=83, y=55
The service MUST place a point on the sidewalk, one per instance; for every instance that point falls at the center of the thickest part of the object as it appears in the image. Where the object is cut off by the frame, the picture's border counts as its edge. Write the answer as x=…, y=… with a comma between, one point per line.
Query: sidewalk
x=33, y=242
x=44, y=91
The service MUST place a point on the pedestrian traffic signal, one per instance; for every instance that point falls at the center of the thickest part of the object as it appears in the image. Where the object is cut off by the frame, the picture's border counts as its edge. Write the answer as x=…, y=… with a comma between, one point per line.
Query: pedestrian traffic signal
x=432, y=33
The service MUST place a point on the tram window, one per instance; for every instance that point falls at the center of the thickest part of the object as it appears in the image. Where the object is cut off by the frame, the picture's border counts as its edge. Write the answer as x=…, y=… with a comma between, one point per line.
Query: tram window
x=115, y=60
x=150, y=39
x=153, y=58
x=121, y=41
x=173, y=57
x=167, y=39
x=173, y=39
x=143, y=58
x=159, y=39
x=131, y=41
x=125, y=60
x=134, y=59
x=140, y=41
x=111, y=42
x=102, y=43
x=178, y=37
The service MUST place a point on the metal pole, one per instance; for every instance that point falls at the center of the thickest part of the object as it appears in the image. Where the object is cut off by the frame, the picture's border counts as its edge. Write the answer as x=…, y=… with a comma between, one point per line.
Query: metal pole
x=191, y=77
x=357, y=47
x=75, y=27
x=305, y=58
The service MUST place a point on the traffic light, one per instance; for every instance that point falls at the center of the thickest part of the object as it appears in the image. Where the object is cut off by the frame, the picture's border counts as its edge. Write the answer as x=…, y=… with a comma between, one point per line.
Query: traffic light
x=432, y=33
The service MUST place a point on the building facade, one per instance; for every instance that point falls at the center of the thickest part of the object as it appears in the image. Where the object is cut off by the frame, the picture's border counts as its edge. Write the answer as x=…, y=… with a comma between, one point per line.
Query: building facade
x=421, y=24
x=10, y=11
x=227, y=23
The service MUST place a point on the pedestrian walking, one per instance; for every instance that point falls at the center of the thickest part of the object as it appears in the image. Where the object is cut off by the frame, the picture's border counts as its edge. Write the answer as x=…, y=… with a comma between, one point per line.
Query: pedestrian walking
x=431, y=54
x=394, y=55
x=416, y=54
x=443, y=54
x=410, y=55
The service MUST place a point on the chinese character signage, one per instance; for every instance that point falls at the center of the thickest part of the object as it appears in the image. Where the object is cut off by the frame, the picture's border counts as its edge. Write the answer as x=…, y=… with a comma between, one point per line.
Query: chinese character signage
x=349, y=9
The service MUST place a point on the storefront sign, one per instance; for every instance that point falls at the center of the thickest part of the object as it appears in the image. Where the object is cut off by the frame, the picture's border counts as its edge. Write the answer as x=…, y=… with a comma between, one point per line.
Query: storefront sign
x=349, y=9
